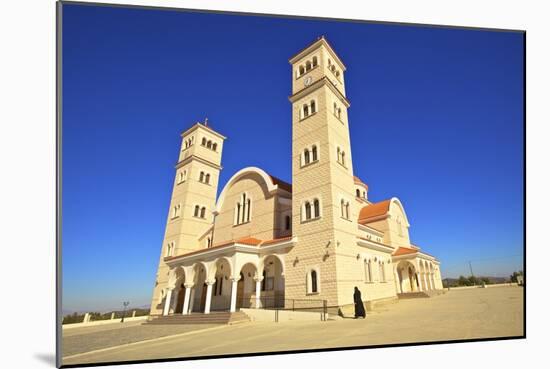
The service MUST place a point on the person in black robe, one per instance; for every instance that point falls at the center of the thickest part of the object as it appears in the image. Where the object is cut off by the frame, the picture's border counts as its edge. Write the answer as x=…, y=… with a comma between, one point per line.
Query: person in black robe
x=359, y=307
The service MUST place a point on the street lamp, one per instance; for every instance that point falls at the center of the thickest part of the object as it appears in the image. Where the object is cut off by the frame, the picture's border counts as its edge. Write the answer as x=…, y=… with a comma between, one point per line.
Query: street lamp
x=125, y=303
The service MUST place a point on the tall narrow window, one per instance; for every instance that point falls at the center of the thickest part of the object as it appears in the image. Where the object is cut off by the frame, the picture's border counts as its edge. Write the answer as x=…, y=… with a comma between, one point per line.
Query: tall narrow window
x=338, y=154
x=248, y=210
x=238, y=213
x=197, y=210
x=308, y=210
x=357, y=193
x=207, y=178
x=208, y=242
x=306, y=156
x=306, y=111
x=209, y=144
x=342, y=208
x=382, y=272
x=347, y=210
x=314, y=281
x=339, y=113
x=302, y=71
x=313, y=107
x=314, y=153
x=244, y=208
x=203, y=212
x=335, y=109
x=308, y=66
x=314, y=61
x=316, y=210
x=203, y=143
x=368, y=271
x=215, y=146
x=264, y=275
x=201, y=177
x=287, y=222
x=343, y=158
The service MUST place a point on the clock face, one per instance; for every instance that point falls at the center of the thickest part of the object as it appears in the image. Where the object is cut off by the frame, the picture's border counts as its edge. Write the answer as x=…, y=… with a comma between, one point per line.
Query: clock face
x=307, y=81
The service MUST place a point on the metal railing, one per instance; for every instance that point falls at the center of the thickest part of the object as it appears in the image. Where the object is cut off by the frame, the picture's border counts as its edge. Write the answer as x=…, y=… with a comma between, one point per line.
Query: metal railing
x=278, y=303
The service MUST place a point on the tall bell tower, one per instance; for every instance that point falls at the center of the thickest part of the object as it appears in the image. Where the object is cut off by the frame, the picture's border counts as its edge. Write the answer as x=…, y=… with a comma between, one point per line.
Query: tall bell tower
x=324, y=209
x=190, y=216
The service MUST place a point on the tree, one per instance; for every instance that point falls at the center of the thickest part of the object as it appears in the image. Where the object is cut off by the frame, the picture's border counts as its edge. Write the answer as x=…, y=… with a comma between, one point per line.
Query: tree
x=514, y=276
x=463, y=281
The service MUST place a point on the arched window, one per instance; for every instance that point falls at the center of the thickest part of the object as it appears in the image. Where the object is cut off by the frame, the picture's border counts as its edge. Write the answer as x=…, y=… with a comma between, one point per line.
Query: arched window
x=338, y=151
x=237, y=213
x=203, y=212
x=347, y=210
x=215, y=146
x=197, y=210
x=339, y=112
x=306, y=156
x=335, y=109
x=287, y=222
x=208, y=242
x=207, y=178
x=314, y=282
x=209, y=144
x=316, y=210
x=244, y=207
x=314, y=153
x=337, y=74
x=329, y=62
x=343, y=158
x=308, y=210
x=308, y=65
x=248, y=210
x=368, y=271
x=203, y=143
x=302, y=71
x=357, y=193
x=306, y=110
x=382, y=272
x=342, y=208
x=314, y=61
x=186, y=144
x=201, y=177
x=364, y=195
x=313, y=107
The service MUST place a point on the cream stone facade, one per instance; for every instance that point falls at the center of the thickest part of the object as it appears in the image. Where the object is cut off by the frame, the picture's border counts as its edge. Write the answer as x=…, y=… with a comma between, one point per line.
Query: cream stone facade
x=266, y=243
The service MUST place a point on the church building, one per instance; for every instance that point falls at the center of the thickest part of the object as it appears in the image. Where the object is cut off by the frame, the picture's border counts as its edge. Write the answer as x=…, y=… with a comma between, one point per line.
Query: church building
x=266, y=243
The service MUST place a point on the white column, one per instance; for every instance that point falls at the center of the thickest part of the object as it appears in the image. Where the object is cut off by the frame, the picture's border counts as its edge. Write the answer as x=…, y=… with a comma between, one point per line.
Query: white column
x=208, y=297
x=234, y=280
x=433, y=280
x=188, y=288
x=192, y=299
x=425, y=281
x=419, y=279
x=258, y=290
x=430, y=281
x=167, y=302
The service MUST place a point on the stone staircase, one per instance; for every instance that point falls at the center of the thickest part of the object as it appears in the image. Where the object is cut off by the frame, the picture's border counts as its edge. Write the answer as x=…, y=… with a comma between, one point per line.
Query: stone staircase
x=413, y=295
x=222, y=317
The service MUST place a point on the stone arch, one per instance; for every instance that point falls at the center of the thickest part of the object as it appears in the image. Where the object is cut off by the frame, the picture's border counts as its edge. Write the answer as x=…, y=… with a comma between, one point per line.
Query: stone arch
x=280, y=258
x=408, y=278
x=271, y=187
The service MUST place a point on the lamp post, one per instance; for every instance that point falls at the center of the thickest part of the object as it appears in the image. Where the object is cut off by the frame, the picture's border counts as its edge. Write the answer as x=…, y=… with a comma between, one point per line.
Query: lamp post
x=125, y=304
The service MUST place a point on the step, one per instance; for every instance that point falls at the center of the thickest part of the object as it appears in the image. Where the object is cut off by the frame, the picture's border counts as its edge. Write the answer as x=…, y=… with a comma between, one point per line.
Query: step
x=199, y=318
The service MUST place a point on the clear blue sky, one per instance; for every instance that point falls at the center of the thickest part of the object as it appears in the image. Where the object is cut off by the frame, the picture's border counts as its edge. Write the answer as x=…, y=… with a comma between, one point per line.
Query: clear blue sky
x=436, y=119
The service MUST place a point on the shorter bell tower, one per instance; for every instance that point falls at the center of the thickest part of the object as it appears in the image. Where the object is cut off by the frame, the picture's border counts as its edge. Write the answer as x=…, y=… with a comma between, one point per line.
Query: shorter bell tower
x=190, y=215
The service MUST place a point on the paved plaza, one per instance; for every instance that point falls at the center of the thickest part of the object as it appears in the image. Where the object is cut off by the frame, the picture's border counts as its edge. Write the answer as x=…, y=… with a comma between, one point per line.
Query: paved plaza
x=457, y=314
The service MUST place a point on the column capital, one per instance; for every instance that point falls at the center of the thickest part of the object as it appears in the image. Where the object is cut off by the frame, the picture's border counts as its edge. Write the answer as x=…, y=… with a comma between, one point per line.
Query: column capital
x=210, y=282
x=259, y=279
x=189, y=285
x=235, y=279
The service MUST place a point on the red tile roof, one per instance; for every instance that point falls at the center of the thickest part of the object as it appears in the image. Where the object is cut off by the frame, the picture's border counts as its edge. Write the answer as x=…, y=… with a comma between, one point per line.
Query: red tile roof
x=404, y=251
x=374, y=211
x=358, y=181
x=282, y=184
x=249, y=241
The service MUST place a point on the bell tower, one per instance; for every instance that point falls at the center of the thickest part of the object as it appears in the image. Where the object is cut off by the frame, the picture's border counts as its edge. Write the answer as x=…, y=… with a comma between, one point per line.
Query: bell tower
x=193, y=198
x=324, y=209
